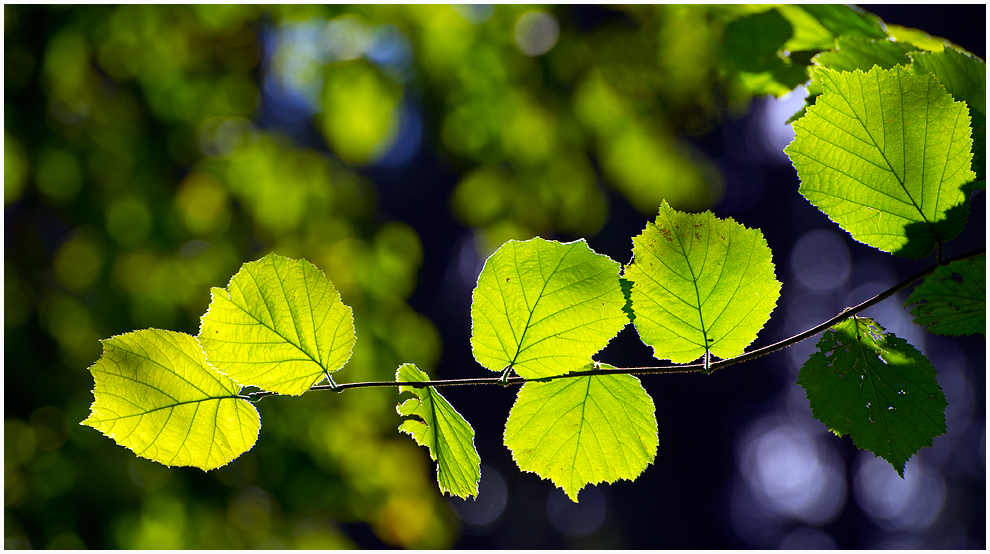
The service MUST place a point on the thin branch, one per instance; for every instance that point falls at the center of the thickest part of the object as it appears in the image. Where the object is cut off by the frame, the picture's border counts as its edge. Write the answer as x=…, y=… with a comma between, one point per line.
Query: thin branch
x=667, y=369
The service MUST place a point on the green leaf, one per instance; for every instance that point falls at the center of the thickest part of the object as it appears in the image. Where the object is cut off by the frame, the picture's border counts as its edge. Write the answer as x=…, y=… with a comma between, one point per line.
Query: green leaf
x=279, y=325
x=156, y=395
x=700, y=284
x=852, y=53
x=867, y=383
x=752, y=44
x=917, y=37
x=445, y=432
x=964, y=76
x=885, y=154
x=846, y=20
x=583, y=430
x=953, y=300
x=544, y=308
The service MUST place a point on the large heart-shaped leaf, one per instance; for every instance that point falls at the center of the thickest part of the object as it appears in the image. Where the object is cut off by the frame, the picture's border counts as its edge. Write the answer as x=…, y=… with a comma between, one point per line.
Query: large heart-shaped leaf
x=885, y=155
x=583, y=430
x=156, y=395
x=279, y=325
x=700, y=285
x=544, y=308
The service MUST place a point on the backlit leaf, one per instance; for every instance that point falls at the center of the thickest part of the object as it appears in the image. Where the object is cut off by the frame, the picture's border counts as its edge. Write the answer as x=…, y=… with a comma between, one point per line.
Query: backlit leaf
x=885, y=154
x=438, y=426
x=953, y=300
x=583, y=430
x=156, y=395
x=279, y=325
x=866, y=382
x=700, y=284
x=544, y=308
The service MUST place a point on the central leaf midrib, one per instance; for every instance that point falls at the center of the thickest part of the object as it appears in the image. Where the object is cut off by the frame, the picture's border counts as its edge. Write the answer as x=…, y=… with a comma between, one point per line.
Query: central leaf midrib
x=694, y=282
x=900, y=180
x=273, y=330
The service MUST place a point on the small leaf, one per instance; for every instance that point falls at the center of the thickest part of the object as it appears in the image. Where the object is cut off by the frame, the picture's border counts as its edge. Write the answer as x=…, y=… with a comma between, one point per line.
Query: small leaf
x=156, y=395
x=279, y=325
x=885, y=154
x=583, y=430
x=445, y=432
x=953, y=300
x=700, y=284
x=866, y=382
x=544, y=308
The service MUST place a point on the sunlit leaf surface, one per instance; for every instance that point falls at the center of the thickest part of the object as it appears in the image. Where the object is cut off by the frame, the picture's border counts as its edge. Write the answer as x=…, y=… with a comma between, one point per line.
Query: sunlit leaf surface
x=875, y=387
x=884, y=154
x=279, y=325
x=156, y=395
x=700, y=284
x=544, y=307
x=953, y=300
x=437, y=426
x=583, y=430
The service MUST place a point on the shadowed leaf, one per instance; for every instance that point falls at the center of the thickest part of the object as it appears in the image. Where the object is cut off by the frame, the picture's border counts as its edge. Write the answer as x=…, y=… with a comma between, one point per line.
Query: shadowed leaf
x=953, y=300
x=875, y=387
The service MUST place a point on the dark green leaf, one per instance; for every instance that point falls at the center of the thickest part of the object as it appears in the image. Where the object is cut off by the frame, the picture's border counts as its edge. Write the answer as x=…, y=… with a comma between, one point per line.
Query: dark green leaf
x=846, y=20
x=875, y=387
x=953, y=300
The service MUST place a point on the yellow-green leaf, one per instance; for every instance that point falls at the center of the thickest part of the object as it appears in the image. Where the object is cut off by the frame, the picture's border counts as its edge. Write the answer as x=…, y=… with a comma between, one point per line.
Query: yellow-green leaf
x=279, y=325
x=885, y=155
x=156, y=395
x=544, y=308
x=440, y=428
x=583, y=430
x=700, y=284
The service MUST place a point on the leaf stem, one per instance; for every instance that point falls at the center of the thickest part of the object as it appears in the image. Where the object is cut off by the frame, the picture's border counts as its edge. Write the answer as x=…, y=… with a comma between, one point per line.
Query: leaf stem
x=705, y=366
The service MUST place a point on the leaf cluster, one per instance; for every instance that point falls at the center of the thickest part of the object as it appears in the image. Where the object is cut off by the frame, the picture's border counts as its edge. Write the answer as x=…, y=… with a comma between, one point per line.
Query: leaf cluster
x=889, y=148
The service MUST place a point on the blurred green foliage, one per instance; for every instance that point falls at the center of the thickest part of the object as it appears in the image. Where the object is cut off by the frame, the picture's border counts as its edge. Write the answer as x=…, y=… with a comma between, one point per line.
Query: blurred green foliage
x=137, y=175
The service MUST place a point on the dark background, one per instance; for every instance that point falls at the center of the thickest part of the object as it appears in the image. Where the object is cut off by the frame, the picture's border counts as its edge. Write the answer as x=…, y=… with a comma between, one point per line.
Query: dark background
x=703, y=490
